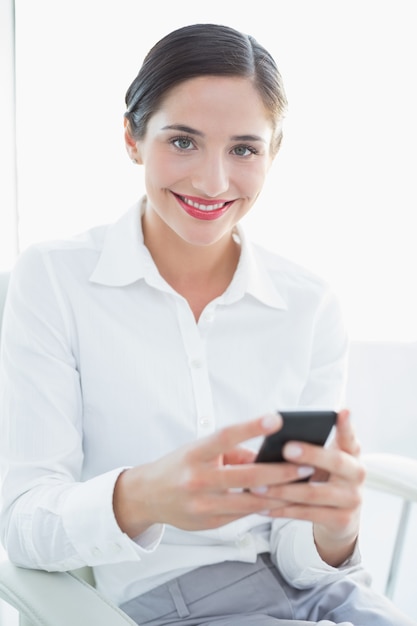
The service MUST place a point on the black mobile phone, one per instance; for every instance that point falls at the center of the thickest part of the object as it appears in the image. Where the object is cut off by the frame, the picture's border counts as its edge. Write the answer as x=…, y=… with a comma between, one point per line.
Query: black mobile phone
x=309, y=426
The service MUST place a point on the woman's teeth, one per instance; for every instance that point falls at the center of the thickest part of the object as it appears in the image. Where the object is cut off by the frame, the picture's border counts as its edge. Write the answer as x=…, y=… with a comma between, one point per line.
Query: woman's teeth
x=203, y=207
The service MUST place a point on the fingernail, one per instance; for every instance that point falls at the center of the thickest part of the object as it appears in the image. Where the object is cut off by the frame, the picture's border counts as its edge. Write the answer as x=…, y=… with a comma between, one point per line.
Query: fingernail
x=292, y=450
x=259, y=490
x=264, y=512
x=304, y=471
x=271, y=421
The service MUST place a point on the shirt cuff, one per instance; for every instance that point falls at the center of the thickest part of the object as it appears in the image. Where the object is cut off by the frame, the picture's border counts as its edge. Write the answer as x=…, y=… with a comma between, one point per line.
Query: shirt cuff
x=298, y=560
x=92, y=529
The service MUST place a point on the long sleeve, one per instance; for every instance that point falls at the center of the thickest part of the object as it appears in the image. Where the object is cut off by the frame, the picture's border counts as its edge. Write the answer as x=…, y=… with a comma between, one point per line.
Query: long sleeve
x=328, y=362
x=50, y=519
x=294, y=553
x=292, y=543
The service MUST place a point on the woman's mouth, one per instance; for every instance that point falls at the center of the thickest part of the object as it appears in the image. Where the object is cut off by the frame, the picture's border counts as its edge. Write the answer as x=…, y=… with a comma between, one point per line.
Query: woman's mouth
x=201, y=209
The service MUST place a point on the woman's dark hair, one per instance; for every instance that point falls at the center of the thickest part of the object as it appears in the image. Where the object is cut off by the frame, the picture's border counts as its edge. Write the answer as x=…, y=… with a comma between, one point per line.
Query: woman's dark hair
x=203, y=50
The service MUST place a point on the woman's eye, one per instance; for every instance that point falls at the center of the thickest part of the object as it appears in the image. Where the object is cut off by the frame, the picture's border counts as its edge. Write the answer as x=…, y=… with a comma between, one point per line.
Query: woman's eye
x=243, y=151
x=183, y=143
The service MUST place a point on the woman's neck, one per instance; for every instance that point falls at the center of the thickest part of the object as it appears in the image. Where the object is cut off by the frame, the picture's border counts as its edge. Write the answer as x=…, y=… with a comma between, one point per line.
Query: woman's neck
x=199, y=273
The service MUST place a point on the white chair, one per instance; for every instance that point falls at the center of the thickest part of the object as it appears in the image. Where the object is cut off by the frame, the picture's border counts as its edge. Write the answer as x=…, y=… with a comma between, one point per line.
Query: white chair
x=70, y=599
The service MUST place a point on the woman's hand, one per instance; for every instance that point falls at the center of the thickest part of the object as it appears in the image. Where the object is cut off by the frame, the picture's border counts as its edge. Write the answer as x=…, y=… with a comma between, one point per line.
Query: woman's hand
x=333, y=505
x=202, y=485
x=214, y=481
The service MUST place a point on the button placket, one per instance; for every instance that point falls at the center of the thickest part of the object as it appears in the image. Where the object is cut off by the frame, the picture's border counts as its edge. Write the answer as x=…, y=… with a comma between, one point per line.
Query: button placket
x=195, y=348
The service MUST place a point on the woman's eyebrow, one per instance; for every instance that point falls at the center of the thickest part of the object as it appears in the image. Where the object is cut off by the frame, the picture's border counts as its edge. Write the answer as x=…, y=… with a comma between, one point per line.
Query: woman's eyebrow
x=192, y=131
x=183, y=129
x=247, y=138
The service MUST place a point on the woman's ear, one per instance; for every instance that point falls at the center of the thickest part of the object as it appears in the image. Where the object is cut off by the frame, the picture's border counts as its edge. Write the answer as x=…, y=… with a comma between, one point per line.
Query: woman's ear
x=131, y=144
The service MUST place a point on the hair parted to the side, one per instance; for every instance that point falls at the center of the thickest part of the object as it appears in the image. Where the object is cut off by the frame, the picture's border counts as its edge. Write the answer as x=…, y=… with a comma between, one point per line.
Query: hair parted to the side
x=204, y=50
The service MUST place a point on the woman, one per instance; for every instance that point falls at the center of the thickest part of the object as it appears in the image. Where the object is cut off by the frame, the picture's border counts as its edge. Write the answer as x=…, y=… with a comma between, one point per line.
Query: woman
x=143, y=361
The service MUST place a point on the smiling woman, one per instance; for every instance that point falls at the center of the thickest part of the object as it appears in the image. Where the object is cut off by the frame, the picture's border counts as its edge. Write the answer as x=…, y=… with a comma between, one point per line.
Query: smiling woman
x=200, y=185
x=228, y=108
x=154, y=438
x=208, y=168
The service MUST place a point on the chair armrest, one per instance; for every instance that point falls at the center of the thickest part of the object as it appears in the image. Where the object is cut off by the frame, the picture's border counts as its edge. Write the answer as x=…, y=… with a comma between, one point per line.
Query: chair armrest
x=56, y=598
x=392, y=473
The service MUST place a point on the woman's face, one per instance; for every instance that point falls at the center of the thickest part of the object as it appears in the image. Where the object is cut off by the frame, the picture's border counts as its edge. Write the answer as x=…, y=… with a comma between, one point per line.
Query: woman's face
x=206, y=153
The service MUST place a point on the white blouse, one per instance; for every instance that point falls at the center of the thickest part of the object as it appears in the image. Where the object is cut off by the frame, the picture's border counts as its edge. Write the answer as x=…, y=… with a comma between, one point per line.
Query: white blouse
x=104, y=367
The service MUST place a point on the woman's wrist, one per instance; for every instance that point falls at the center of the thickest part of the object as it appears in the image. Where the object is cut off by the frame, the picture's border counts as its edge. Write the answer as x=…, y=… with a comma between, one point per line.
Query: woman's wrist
x=334, y=550
x=129, y=504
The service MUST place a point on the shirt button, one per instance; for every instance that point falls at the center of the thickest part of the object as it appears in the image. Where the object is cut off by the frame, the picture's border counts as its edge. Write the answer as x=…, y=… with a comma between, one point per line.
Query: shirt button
x=205, y=422
x=209, y=316
x=96, y=551
x=196, y=364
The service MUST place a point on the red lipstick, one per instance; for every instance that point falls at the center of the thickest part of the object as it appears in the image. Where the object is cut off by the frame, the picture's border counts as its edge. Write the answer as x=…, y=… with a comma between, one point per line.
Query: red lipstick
x=203, y=209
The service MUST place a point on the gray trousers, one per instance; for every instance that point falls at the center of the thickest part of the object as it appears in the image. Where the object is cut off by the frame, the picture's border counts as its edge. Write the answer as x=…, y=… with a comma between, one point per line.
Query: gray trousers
x=234, y=593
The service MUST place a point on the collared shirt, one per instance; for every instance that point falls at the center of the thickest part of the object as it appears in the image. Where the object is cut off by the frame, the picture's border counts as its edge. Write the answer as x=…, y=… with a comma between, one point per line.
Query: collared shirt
x=104, y=367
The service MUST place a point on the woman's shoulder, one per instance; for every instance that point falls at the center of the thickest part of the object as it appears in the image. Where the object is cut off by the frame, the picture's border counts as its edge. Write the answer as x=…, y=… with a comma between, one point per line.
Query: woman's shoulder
x=58, y=255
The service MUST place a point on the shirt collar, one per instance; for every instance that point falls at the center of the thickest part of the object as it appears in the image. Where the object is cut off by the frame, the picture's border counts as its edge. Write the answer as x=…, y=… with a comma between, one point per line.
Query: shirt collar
x=124, y=259
x=253, y=275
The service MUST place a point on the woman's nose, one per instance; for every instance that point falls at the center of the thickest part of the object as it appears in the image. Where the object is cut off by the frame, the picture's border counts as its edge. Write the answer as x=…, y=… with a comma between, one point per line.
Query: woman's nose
x=211, y=178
